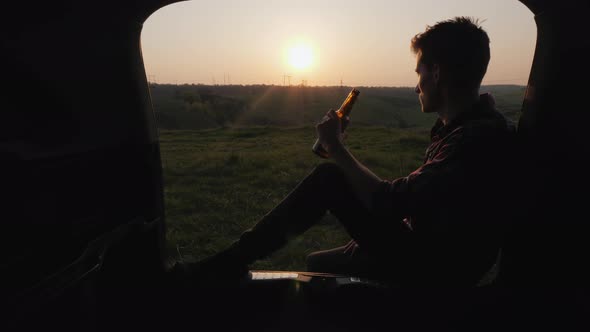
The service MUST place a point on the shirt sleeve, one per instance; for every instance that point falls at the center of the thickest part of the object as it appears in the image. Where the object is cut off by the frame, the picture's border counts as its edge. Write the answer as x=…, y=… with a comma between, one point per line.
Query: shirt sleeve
x=450, y=207
x=425, y=189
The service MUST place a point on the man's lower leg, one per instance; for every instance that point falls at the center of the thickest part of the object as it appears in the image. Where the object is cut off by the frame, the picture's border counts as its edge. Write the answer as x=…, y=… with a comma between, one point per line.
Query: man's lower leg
x=301, y=209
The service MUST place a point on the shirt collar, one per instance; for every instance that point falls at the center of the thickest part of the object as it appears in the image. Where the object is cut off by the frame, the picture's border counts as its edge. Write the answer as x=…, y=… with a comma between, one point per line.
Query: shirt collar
x=440, y=130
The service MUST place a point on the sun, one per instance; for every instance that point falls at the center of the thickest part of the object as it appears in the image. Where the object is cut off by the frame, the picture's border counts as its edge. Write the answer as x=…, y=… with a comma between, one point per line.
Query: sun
x=300, y=56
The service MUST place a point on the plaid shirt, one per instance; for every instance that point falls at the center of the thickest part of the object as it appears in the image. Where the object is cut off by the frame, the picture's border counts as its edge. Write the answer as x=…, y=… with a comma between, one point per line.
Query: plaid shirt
x=449, y=210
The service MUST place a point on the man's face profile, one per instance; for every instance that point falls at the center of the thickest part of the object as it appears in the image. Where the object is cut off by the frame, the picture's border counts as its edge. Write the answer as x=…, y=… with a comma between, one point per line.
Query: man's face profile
x=427, y=86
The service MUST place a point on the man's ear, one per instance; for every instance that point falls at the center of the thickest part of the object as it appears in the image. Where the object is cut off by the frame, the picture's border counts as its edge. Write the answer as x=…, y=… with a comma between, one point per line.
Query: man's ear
x=436, y=73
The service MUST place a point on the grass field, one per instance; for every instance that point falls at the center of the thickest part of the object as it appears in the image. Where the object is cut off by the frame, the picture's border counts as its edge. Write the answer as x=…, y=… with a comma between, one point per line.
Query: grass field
x=231, y=153
x=219, y=182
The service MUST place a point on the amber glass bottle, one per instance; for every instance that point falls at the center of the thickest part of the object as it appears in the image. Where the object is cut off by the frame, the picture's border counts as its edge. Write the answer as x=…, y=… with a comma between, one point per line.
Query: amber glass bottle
x=342, y=112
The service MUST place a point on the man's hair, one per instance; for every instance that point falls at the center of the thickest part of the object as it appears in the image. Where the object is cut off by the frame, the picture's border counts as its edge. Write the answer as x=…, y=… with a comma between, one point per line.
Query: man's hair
x=459, y=46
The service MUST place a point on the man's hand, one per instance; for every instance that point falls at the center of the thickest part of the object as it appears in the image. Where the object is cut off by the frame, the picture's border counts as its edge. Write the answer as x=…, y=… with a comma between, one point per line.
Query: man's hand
x=329, y=130
x=363, y=181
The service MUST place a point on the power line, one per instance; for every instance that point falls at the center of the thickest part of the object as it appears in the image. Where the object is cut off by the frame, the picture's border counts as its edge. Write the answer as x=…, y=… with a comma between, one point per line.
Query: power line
x=288, y=77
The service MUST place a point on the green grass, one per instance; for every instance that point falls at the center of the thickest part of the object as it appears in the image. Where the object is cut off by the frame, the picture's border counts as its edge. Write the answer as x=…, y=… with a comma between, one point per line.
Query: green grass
x=219, y=182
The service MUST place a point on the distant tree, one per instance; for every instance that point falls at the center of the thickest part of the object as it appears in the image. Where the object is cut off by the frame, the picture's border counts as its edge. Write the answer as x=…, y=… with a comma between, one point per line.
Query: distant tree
x=225, y=110
x=190, y=98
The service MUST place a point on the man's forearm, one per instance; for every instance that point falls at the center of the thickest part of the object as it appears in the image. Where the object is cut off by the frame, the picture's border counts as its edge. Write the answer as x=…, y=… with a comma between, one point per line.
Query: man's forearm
x=363, y=181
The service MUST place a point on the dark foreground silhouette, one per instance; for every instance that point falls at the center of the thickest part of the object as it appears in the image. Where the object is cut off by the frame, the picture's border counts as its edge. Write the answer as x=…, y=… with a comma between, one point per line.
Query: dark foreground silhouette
x=83, y=215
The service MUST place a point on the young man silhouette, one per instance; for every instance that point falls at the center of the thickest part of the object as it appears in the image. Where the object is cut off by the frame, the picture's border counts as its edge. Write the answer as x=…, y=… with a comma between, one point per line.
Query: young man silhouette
x=439, y=225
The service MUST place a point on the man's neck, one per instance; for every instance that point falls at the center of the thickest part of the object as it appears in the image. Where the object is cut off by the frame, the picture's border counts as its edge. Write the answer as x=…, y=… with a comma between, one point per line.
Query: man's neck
x=457, y=105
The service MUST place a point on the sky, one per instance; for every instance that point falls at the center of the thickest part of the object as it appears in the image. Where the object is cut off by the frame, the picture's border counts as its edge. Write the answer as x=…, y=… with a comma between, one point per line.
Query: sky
x=321, y=42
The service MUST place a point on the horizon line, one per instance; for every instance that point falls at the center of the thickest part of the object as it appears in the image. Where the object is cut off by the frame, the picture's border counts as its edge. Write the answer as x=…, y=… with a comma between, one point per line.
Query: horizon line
x=319, y=86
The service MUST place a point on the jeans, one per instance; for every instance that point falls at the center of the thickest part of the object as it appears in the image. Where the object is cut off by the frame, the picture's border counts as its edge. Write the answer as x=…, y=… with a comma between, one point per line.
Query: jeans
x=325, y=189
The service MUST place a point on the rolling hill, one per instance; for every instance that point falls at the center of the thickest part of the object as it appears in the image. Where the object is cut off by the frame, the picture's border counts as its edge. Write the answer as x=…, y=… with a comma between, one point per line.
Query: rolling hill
x=211, y=106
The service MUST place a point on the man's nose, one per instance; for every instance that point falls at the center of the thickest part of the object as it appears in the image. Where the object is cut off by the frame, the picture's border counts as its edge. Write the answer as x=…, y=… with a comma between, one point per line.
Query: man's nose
x=417, y=89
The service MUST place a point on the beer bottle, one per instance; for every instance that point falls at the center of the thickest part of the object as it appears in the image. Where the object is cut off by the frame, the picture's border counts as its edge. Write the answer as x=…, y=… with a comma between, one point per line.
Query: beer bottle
x=342, y=112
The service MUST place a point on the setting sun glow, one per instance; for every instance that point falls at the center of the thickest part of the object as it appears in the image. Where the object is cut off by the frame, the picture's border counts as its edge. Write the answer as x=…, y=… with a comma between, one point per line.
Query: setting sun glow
x=300, y=56
x=324, y=43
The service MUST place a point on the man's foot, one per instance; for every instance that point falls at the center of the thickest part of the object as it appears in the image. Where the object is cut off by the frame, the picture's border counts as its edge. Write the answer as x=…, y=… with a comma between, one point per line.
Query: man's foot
x=220, y=268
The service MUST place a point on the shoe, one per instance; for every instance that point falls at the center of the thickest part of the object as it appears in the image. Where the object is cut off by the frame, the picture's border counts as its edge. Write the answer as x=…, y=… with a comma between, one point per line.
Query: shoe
x=220, y=268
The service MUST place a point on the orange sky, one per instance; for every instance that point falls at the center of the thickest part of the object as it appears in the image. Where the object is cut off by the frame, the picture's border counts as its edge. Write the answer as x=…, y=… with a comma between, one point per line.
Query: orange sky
x=364, y=43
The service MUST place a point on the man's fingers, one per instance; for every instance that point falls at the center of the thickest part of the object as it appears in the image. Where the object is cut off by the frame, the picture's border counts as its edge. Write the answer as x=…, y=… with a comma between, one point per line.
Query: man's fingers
x=346, y=120
x=332, y=114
